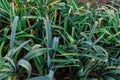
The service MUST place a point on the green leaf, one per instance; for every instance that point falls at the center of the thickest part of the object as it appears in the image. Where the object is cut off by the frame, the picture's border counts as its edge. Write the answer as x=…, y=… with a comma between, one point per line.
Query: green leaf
x=25, y=64
x=92, y=31
x=39, y=78
x=11, y=62
x=65, y=65
x=84, y=35
x=72, y=41
x=112, y=72
x=109, y=77
x=47, y=77
x=65, y=60
x=62, y=52
x=35, y=53
x=1, y=47
x=3, y=76
x=48, y=33
x=26, y=46
x=94, y=57
x=13, y=32
x=102, y=49
x=55, y=43
x=51, y=74
x=20, y=46
x=5, y=70
x=98, y=39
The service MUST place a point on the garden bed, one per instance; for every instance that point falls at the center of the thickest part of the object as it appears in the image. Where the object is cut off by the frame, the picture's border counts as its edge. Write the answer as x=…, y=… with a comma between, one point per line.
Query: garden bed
x=59, y=39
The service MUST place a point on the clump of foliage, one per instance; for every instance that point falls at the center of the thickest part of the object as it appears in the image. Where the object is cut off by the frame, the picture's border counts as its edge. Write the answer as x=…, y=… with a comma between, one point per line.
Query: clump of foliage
x=38, y=37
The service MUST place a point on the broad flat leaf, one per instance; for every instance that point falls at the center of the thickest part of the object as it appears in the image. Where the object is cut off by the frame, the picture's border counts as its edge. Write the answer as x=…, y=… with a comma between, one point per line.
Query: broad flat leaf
x=65, y=60
x=25, y=64
x=109, y=77
x=8, y=65
x=20, y=46
x=92, y=31
x=3, y=76
x=72, y=54
x=11, y=62
x=55, y=43
x=51, y=74
x=31, y=17
x=48, y=33
x=27, y=47
x=13, y=33
x=84, y=35
x=5, y=70
x=102, y=49
x=47, y=77
x=39, y=78
x=49, y=40
x=35, y=53
x=112, y=72
x=62, y=52
x=98, y=39
x=94, y=57
x=71, y=39
x=88, y=43
x=65, y=65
